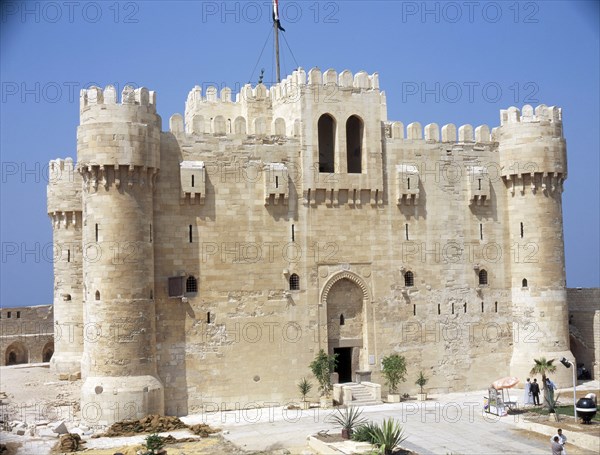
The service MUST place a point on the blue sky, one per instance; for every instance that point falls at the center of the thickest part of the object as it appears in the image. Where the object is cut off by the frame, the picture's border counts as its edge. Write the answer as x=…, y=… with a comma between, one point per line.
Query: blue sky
x=510, y=53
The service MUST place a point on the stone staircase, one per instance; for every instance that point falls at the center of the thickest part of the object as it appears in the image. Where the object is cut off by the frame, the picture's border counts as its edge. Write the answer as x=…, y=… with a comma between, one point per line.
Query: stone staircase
x=361, y=396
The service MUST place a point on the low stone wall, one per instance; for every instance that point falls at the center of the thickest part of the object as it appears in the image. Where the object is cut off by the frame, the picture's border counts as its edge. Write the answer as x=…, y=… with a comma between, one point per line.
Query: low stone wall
x=26, y=334
x=584, y=327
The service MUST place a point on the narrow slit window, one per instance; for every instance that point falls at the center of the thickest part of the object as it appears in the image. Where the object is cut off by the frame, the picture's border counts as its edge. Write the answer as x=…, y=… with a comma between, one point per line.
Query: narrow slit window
x=406, y=230
x=342, y=320
x=522, y=230
x=191, y=235
x=293, y=233
x=69, y=255
x=495, y=307
x=96, y=232
x=408, y=183
x=409, y=279
x=482, y=307
x=524, y=283
x=465, y=307
x=414, y=310
x=479, y=184
x=208, y=317
x=452, y=307
x=276, y=182
x=193, y=181
x=97, y=295
x=439, y=309
x=480, y=231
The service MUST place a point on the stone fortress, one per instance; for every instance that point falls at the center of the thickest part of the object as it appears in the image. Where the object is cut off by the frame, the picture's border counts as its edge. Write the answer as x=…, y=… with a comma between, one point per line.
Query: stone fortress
x=203, y=267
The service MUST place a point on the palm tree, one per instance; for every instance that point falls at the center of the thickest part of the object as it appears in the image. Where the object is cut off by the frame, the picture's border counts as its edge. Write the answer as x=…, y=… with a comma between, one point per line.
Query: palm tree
x=543, y=366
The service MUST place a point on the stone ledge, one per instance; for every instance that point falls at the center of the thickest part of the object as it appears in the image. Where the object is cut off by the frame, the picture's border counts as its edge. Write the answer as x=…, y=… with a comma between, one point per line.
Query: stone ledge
x=582, y=440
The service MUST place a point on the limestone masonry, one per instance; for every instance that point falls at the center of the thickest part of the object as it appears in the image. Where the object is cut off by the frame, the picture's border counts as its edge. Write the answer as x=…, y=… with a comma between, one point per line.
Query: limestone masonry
x=203, y=267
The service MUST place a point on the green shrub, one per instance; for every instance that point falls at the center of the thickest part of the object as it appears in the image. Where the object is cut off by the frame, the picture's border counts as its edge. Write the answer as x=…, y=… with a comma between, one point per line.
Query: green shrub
x=349, y=419
x=394, y=371
x=388, y=436
x=154, y=443
x=364, y=433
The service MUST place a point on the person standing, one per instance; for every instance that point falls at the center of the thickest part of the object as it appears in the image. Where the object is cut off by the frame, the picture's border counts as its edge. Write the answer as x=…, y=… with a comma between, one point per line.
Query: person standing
x=527, y=396
x=556, y=446
x=535, y=392
x=563, y=440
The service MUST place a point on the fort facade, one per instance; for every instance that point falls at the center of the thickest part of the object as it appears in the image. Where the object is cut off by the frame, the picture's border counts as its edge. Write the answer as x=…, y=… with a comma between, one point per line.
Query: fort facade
x=205, y=266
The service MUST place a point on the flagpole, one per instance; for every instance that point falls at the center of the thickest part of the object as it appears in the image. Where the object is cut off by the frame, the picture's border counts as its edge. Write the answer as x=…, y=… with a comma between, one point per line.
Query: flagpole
x=276, y=31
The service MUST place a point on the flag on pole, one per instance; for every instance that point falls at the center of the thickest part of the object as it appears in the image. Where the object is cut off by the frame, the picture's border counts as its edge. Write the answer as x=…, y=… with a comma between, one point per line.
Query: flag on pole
x=276, y=15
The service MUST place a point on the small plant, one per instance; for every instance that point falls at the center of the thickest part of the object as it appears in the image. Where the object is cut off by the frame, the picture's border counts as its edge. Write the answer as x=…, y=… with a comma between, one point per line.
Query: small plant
x=388, y=436
x=421, y=381
x=364, y=432
x=405, y=396
x=322, y=367
x=305, y=386
x=394, y=371
x=154, y=443
x=348, y=420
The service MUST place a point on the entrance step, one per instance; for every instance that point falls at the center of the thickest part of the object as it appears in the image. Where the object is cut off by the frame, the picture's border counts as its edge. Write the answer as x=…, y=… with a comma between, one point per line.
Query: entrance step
x=361, y=395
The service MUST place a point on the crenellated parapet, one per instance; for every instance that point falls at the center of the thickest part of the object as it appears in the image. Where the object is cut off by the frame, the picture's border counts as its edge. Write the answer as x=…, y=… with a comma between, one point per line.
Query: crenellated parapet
x=532, y=149
x=64, y=193
x=432, y=133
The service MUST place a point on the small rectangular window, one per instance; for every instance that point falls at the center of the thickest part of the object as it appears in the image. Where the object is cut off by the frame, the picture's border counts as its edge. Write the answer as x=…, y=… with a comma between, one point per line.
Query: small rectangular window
x=480, y=231
x=208, y=317
x=276, y=182
x=192, y=181
x=414, y=310
x=495, y=307
x=465, y=307
x=191, y=235
x=8, y=314
x=96, y=232
x=482, y=307
x=18, y=315
x=293, y=234
x=439, y=309
x=408, y=183
x=453, y=308
x=522, y=230
x=69, y=255
x=479, y=184
x=406, y=230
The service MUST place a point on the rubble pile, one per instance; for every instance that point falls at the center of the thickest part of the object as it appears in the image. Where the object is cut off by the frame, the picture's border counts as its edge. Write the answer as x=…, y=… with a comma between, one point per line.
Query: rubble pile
x=70, y=443
x=154, y=424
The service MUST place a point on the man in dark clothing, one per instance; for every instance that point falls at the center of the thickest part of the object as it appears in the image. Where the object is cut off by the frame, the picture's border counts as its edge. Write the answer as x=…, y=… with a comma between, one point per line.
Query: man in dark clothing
x=535, y=391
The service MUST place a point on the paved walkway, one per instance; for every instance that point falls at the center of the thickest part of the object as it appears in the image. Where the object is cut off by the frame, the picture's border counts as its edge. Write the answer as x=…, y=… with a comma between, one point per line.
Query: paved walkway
x=454, y=423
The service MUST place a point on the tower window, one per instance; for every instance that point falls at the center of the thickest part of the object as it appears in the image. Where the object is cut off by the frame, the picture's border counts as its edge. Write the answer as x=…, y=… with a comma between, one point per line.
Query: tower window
x=193, y=181
x=96, y=232
x=354, y=138
x=414, y=310
x=406, y=231
x=326, y=129
x=294, y=282
x=524, y=283
x=452, y=307
x=191, y=234
x=208, y=319
x=495, y=307
x=482, y=307
x=480, y=231
x=69, y=255
x=439, y=309
x=97, y=296
x=342, y=320
x=191, y=285
x=465, y=307
x=409, y=279
x=276, y=182
x=293, y=234
x=522, y=230
x=483, y=278
x=68, y=297
x=18, y=315
x=479, y=181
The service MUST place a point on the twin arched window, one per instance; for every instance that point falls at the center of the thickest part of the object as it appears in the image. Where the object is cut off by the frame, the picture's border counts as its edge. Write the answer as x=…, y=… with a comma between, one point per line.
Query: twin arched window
x=354, y=143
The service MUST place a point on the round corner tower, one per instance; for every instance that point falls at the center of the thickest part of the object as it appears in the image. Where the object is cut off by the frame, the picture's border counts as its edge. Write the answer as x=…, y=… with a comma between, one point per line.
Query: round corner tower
x=64, y=209
x=534, y=166
x=118, y=148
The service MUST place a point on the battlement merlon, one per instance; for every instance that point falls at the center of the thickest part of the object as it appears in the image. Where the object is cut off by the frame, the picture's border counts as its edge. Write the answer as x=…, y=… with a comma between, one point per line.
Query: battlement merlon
x=531, y=143
x=64, y=188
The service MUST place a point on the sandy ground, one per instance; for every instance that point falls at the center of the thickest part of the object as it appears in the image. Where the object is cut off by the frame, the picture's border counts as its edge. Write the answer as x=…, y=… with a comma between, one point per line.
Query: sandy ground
x=34, y=395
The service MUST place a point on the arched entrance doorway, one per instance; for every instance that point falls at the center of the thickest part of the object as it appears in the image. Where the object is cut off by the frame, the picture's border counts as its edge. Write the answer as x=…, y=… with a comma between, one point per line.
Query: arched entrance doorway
x=15, y=354
x=48, y=351
x=345, y=297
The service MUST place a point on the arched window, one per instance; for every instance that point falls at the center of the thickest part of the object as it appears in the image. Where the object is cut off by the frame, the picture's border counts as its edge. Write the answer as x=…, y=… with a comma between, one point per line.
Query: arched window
x=483, y=277
x=524, y=283
x=97, y=295
x=294, y=282
x=354, y=139
x=326, y=128
x=409, y=279
x=191, y=284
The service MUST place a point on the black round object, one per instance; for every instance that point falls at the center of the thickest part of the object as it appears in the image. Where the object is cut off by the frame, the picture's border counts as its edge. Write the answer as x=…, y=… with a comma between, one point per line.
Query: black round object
x=586, y=409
